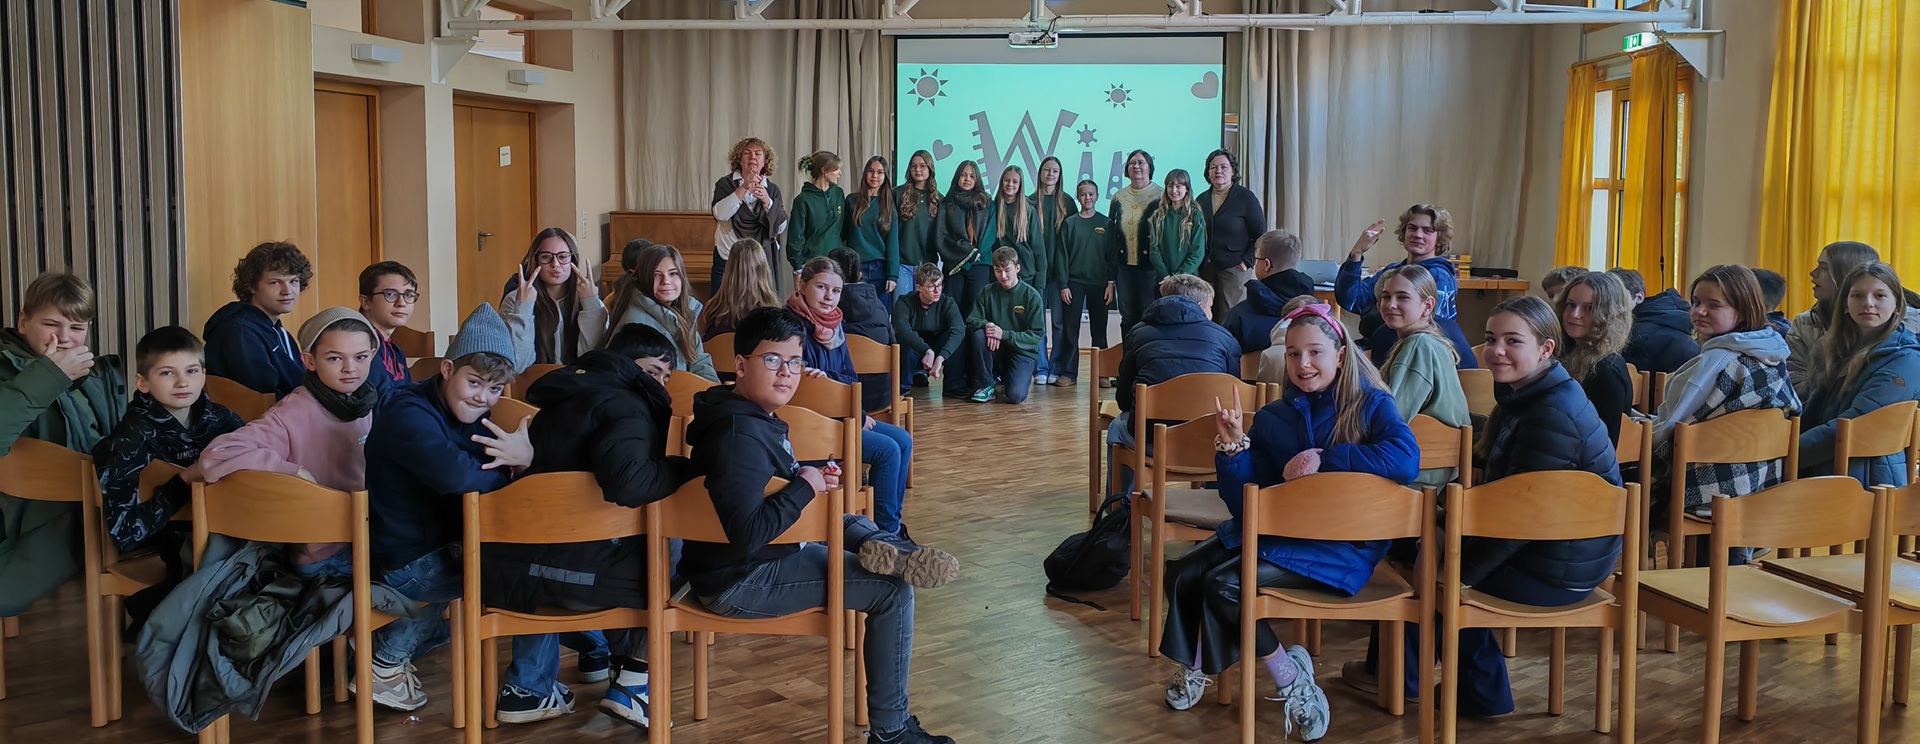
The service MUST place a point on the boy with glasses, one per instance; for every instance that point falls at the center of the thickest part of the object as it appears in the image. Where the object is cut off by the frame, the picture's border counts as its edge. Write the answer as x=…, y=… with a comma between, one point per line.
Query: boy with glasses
x=1275, y=282
x=388, y=294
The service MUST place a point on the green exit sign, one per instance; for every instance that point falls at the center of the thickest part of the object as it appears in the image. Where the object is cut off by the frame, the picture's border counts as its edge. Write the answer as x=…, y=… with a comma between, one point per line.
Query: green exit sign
x=1636, y=42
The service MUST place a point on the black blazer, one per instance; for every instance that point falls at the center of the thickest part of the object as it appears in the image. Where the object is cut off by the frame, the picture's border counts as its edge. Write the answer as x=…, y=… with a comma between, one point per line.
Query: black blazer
x=1231, y=231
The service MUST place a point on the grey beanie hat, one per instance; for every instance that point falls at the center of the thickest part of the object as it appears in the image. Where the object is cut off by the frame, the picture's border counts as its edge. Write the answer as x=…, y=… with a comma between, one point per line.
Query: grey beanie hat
x=310, y=331
x=483, y=331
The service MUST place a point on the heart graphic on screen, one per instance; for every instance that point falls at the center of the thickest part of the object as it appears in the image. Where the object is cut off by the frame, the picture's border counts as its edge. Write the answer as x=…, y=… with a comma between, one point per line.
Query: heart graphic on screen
x=941, y=150
x=1208, y=87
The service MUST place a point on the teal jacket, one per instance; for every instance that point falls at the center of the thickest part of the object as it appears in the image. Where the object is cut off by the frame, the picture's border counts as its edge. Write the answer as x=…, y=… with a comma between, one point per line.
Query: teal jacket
x=1174, y=250
x=872, y=240
x=39, y=541
x=816, y=223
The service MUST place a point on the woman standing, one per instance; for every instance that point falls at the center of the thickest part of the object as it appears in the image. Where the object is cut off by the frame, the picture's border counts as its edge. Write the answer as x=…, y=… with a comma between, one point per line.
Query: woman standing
x=819, y=212
x=1596, y=315
x=655, y=295
x=964, y=235
x=1051, y=206
x=748, y=206
x=1134, y=282
x=873, y=227
x=551, y=308
x=1176, y=231
x=918, y=204
x=1235, y=218
x=1868, y=359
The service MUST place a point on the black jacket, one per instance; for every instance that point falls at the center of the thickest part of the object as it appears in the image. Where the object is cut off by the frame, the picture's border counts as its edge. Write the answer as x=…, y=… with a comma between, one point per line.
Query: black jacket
x=1173, y=338
x=247, y=347
x=1232, y=229
x=1611, y=391
x=1251, y=322
x=1547, y=425
x=604, y=416
x=150, y=432
x=938, y=327
x=950, y=233
x=739, y=447
x=867, y=316
x=1662, y=337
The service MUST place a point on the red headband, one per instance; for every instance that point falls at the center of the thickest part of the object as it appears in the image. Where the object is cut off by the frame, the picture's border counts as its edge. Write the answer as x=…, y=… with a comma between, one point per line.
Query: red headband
x=1322, y=311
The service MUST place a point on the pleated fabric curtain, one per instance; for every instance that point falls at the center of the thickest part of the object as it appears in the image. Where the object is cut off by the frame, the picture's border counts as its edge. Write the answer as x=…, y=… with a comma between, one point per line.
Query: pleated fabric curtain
x=1576, y=169
x=1842, y=153
x=1647, y=231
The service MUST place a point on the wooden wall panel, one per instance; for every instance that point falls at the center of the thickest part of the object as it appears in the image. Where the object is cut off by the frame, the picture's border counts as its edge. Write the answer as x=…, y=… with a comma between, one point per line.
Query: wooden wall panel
x=246, y=85
x=90, y=161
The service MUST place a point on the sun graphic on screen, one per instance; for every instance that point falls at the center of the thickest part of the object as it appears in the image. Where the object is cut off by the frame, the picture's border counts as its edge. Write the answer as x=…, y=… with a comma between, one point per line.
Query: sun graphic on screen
x=927, y=87
x=1119, y=95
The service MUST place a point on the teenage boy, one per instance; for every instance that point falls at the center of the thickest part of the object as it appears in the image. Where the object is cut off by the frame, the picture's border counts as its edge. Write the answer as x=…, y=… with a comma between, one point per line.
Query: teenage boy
x=1426, y=231
x=1773, y=291
x=740, y=445
x=1275, y=283
x=52, y=388
x=316, y=432
x=929, y=327
x=388, y=294
x=1662, y=335
x=245, y=341
x=433, y=444
x=1176, y=336
x=1083, y=269
x=1005, y=328
x=607, y=414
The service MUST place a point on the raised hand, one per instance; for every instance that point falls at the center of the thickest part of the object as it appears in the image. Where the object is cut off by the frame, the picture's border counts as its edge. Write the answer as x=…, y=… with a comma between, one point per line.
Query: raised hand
x=1229, y=421
x=523, y=293
x=1368, y=237
x=508, y=449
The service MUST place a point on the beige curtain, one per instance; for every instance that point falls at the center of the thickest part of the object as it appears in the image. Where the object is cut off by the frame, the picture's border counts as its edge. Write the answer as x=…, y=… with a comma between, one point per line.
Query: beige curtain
x=689, y=95
x=1348, y=125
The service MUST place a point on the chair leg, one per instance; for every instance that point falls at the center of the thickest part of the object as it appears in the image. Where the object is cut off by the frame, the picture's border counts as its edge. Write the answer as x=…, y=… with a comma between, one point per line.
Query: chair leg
x=114, y=657
x=96, y=658
x=1556, y=673
x=463, y=657
x=1629, y=684
x=1902, y=662
x=853, y=619
x=1510, y=642
x=1313, y=638
x=1226, y=687
x=211, y=734
x=1156, y=597
x=490, y=683
x=1449, y=681
x=3, y=669
x=700, y=654
x=340, y=669
x=1134, y=590
x=1715, y=689
x=313, y=681
x=1749, y=701
x=859, y=636
x=1393, y=669
x=836, y=689
x=1873, y=683
x=1247, y=663
x=1602, y=683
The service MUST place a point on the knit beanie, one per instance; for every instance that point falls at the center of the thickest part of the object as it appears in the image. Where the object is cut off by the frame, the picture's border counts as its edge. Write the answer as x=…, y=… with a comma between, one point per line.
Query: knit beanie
x=482, y=331
x=310, y=331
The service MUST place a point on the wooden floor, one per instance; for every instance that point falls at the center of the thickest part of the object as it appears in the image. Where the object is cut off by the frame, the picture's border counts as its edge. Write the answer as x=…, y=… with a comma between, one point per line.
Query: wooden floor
x=996, y=661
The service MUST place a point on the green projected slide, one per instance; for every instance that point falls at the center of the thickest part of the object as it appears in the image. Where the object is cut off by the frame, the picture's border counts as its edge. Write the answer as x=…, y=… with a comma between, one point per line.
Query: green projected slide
x=1087, y=115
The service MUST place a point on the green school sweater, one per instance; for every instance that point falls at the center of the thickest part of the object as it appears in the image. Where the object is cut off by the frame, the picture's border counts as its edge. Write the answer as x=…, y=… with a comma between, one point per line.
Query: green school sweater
x=1173, y=250
x=815, y=223
x=1083, y=254
x=1420, y=372
x=1017, y=311
x=916, y=234
x=873, y=241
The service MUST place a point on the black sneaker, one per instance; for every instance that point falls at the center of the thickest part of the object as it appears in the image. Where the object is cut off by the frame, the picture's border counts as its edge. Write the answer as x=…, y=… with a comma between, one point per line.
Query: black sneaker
x=593, y=667
x=923, y=567
x=521, y=706
x=912, y=734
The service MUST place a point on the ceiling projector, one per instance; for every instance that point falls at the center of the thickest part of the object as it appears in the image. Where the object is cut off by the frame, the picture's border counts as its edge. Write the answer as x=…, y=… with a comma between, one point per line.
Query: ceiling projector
x=1033, y=38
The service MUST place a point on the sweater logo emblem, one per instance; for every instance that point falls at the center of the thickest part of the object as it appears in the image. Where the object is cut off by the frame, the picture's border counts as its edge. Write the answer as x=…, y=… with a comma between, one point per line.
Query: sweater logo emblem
x=1099, y=231
x=1019, y=309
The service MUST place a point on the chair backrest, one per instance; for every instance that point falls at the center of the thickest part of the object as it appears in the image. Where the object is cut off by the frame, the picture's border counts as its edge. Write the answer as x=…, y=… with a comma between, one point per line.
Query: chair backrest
x=1369, y=507
x=1443, y=446
x=1188, y=397
x=1106, y=362
x=1187, y=445
x=681, y=387
x=93, y=519
x=1479, y=351
x=677, y=436
x=871, y=357
x=1250, y=365
x=549, y=509
x=721, y=349
x=688, y=515
x=272, y=507
x=817, y=437
x=1809, y=512
x=1903, y=509
x=1635, y=445
x=1640, y=383
x=828, y=398
x=242, y=400
x=1753, y=435
x=1656, y=390
x=36, y=470
x=422, y=368
x=1884, y=432
x=508, y=413
x=1478, y=385
x=415, y=344
x=1544, y=505
x=531, y=375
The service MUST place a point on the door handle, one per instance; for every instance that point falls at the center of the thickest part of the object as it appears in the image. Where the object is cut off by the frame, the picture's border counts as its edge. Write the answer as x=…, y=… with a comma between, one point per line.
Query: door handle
x=483, y=240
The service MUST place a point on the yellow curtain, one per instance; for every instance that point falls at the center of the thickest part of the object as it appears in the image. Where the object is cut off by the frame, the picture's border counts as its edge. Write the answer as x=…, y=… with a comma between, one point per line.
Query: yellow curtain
x=1843, y=153
x=1647, y=226
x=1576, y=168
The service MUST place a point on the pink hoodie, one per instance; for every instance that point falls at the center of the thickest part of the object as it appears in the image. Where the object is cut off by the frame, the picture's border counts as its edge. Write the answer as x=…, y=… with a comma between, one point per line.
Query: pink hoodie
x=296, y=433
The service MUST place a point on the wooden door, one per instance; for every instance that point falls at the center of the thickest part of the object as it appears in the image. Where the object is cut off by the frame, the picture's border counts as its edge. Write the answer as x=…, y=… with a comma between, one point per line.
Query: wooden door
x=494, y=190
x=346, y=121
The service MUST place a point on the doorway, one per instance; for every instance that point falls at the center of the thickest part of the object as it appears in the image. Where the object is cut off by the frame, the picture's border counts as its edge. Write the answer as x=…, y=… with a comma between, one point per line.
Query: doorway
x=346, y=120
x=494, y=195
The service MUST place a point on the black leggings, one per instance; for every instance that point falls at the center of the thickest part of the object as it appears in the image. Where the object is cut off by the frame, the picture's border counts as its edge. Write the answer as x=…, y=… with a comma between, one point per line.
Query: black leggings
x=1203, y=607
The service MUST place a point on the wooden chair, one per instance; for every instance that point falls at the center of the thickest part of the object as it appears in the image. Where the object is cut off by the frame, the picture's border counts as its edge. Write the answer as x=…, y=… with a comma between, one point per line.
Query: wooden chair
x=1552, y=505
x=526, y=379
x=1101, y=412
x=872, y=358
x=1640, y=385
x=1478, y=385
x=1747, y=604
x=271, y=507
x=1846, y=576
x=1635, y=447
x=240, y=399
x=1443, y=446
x=1173, y=513
x=422, y=368
x=681, y=388
x=721, y=349
x=110, y=577
x=1250, y=366
x=542, y=509
x=1656, y=390
x=43, y=471
x=838, y=400
x=415, y=344
x=688, y=515
x=1183, y=398
x=508, y=413
x=1369, y=508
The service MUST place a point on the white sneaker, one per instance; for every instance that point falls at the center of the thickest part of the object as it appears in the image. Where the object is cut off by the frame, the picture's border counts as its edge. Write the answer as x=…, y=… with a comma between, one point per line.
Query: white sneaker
x=1306, y=705
x=1188, y=688
x=397, y=688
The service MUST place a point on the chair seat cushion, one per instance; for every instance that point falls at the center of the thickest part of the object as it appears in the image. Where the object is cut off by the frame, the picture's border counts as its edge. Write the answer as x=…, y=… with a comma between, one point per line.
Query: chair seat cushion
x=1194, y=507
x=1846, y=575
x=1495, y=604
x=1386, y=585
x=1754, y=597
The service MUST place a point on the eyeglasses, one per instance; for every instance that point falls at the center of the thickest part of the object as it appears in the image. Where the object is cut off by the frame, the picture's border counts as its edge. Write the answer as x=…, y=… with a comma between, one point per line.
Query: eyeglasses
x=394, y=296
x=548, y=259
x=773, y=362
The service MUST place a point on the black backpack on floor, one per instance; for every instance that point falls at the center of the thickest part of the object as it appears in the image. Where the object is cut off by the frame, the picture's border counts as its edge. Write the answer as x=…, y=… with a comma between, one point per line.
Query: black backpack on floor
x=1096, y=559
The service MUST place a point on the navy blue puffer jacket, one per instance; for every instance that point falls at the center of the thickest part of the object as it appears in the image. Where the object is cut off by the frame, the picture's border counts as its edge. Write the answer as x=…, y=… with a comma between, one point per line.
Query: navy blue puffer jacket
x=1173, y=338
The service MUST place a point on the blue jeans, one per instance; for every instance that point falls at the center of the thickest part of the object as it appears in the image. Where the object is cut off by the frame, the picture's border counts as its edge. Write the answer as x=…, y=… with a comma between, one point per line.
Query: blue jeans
x=1049, y=328
x=964, y=288
x=338, y=564
x=433, y=579
x=888, y=450
x=1010, y=369
x=719, y=272
x=902, y=282
x=798, y=583
x=875, y=273
x=536, y=658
